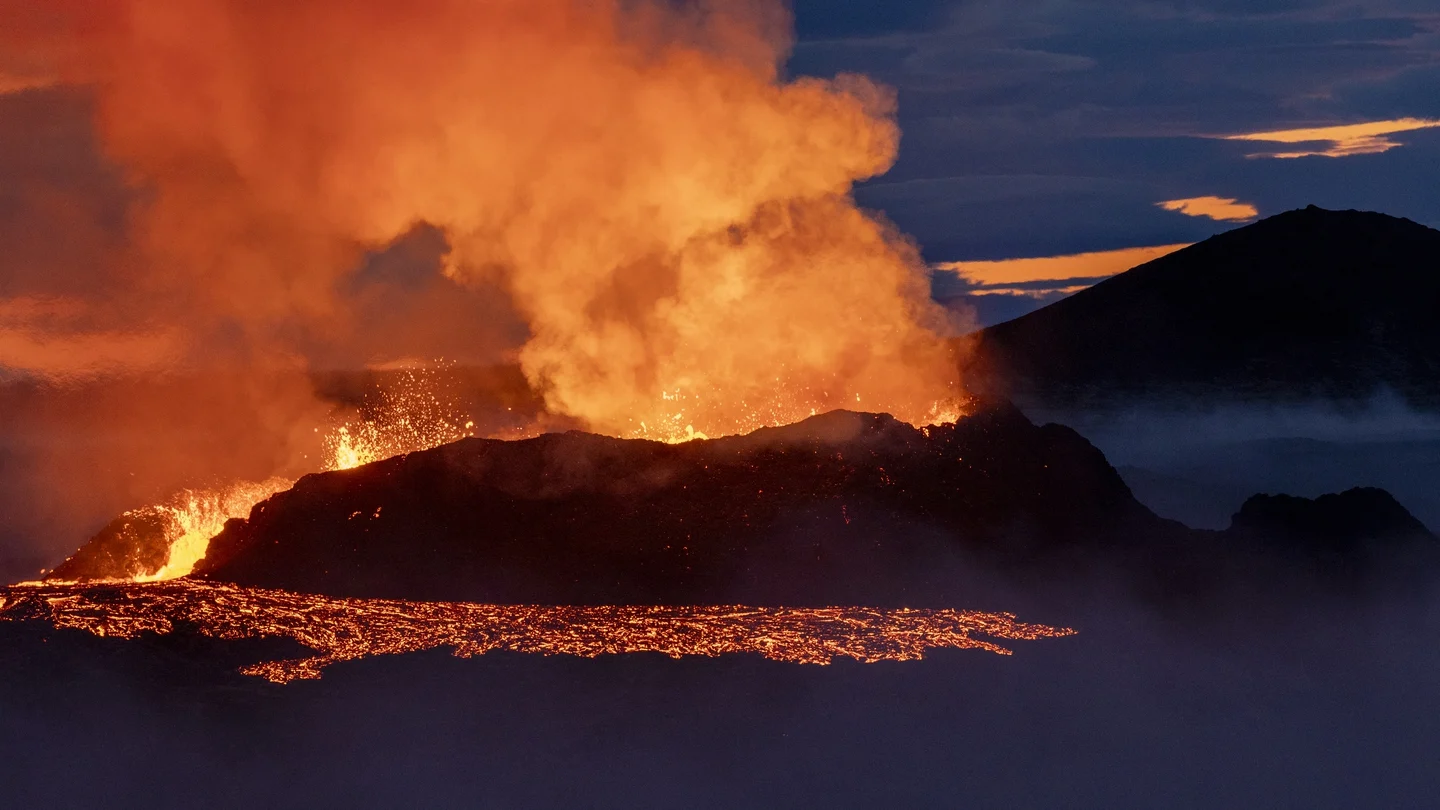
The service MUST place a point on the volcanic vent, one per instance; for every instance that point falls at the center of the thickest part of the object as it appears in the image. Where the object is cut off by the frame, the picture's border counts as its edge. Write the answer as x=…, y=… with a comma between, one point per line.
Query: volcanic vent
x=843, y=508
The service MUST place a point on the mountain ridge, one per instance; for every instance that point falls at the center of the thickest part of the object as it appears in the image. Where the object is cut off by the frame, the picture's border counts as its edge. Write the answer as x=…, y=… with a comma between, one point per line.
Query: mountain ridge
x=1305, y=304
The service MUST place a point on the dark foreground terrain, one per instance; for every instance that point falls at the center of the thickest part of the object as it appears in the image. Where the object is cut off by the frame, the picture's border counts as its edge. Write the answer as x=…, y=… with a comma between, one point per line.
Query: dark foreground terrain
x=1338, y=709
x=1248, y=668
x=1287, y=661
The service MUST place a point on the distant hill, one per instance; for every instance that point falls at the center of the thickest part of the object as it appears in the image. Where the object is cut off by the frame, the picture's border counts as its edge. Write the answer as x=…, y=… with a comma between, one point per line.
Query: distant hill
x=1306, y=304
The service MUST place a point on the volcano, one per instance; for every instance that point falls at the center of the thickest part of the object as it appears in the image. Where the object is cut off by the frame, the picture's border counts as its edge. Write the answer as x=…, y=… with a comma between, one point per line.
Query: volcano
x=1308, y=303
x=841, y=508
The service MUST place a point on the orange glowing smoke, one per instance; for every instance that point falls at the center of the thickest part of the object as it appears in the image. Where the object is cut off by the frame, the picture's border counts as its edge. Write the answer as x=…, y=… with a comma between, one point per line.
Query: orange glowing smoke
x=671, y=217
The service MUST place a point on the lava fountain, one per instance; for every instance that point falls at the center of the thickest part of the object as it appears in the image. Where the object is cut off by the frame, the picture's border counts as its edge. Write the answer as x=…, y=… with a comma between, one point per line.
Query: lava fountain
x=164, y=541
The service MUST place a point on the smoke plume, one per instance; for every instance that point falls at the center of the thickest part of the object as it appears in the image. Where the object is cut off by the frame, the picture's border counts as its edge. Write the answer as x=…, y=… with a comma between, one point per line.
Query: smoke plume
x=669, y=215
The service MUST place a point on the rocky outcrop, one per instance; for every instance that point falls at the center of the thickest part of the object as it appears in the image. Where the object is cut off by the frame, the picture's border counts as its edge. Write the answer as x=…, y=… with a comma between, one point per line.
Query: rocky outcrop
x=841, y=507
x=1349, y=522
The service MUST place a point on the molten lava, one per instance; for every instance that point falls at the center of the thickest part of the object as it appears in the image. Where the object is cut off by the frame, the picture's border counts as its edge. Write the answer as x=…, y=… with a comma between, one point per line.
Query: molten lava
x=400, y=420
x=195, y=516
x=348, y=629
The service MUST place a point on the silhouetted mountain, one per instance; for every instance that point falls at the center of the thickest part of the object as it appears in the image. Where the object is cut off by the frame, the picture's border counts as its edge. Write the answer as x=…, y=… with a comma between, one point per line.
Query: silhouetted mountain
x=1309, y=303
x=840, y=507
x=1341, y=523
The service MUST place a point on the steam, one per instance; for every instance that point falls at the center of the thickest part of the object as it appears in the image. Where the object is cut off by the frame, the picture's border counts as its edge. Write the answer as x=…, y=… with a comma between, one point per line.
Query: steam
x=668, y=215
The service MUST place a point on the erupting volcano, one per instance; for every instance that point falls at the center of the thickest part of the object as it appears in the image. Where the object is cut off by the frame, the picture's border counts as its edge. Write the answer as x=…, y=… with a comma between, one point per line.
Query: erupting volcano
x=662, y=215
x=550, y=403
x=666, y=217
x=661, y=226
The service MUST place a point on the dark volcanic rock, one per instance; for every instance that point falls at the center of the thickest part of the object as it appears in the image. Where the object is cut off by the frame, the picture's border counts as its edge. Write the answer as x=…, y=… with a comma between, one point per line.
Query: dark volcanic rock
x=840, y=507
x=134, y=544
x=1345, y=523
x=1309, y=303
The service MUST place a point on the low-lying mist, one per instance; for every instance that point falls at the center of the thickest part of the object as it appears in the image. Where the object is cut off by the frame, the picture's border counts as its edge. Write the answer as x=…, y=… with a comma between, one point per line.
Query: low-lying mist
x=1327, y=704
x=1197, y=462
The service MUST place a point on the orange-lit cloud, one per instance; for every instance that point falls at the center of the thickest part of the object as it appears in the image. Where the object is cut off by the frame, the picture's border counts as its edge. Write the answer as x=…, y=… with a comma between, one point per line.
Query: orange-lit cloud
x=1049, y=274
x=51, y=338
x=667, y=212
x=1338, y=141
x=19, y=82
x=1221, y=209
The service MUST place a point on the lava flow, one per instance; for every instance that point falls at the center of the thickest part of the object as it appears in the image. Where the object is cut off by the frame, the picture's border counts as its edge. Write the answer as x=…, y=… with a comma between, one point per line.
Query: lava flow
x=348, y=629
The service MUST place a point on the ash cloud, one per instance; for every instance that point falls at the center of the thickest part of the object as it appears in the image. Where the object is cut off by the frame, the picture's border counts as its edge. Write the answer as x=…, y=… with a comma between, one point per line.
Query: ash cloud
x=634, y=202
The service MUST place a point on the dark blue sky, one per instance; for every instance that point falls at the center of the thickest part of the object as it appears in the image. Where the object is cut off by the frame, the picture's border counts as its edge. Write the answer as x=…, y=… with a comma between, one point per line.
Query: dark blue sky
x=1054, y=127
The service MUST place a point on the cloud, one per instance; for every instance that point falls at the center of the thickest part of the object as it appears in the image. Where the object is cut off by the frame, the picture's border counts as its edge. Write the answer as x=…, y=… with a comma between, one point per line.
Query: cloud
x=840, y=19
x=1220, y=209
x=1073, y=272
x=1018, y=103
x=11, y=83
x=58, y=338
x=992, y=292
x=1369, y=138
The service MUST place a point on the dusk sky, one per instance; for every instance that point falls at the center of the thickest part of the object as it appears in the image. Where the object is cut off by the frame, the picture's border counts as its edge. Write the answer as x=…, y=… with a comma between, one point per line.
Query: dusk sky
x=1062, y=127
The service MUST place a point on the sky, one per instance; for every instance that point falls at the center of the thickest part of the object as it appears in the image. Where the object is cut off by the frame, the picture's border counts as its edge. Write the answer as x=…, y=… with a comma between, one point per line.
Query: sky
x=1064, y=127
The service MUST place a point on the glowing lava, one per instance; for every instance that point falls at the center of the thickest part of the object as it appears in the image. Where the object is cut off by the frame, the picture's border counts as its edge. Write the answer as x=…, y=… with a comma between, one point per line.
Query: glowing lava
x=680, y=412
x=402, y=420
x=405, y=419
x=195, y=516
x=348, y=629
